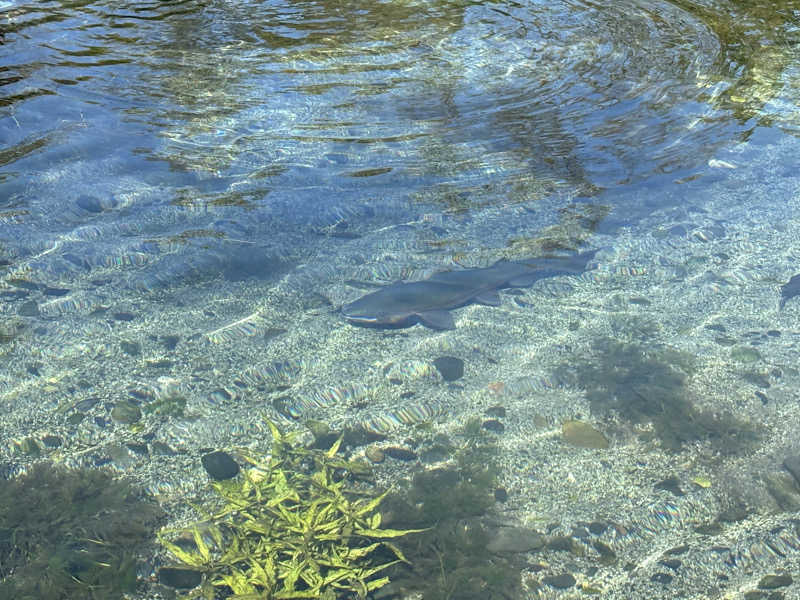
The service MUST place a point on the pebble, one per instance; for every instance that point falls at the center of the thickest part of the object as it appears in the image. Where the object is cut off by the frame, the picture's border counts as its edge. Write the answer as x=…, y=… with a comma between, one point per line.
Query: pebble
x=132, y=348
x=498, y=412
x=672, y=563
x=607, y=555
x=598, y=527
x=399, y=453
x=745, y=354
x=170, y=341
x=771, y=582
x=583, y=435
x=126, y=412
x=219, y=465
x=52, y=441
x=561, y=543
x=450, y=367
x=515, y=539
x=671, y=485
x=179, y=578
x=494, y=426
x=562, y=581
x=792, y=464
x=28, y=309
x=374, y=454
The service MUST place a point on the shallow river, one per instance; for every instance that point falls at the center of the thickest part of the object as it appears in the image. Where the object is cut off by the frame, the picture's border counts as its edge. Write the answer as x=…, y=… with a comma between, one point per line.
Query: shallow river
x=190, y=191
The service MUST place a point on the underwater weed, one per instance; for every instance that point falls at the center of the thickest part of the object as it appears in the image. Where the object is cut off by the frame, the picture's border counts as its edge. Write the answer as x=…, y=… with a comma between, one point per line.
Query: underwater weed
x=451, y=503
x=71, y=534
x=649, y=384
x=291, y=527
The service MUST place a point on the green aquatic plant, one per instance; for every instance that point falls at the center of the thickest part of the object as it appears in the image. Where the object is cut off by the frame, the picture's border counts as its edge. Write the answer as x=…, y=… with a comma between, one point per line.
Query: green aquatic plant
x=648, y=384
x=292, y=526
x=71, y=534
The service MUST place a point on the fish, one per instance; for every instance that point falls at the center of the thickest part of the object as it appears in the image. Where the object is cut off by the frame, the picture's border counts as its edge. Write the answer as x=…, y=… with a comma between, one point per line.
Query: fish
x=429, y=302
x=789, y=290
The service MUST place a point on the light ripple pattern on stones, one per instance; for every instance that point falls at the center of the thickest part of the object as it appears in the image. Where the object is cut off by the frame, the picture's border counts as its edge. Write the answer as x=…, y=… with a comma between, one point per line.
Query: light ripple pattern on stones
x=246, y=327
x=78, y=303
x=338, y=395
x=414, y=370
x=387, y=421
x=281, y=372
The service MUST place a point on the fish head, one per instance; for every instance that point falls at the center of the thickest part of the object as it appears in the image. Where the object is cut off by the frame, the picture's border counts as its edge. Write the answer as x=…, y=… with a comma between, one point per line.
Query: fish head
x=369, y=312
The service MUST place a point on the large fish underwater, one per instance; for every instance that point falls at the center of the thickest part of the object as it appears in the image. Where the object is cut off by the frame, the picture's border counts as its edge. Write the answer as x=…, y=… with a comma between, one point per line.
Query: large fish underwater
x=430, y=301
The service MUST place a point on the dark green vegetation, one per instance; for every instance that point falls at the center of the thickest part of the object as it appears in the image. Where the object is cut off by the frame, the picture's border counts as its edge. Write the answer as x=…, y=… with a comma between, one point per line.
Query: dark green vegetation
x=71, y=534
x=293, y=526
x=646, y=383
x=449, y=559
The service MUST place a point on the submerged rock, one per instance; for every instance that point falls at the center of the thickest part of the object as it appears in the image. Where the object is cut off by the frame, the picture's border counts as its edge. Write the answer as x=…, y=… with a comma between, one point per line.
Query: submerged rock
x=450, y=367
x=220, y=465
x=583, y=435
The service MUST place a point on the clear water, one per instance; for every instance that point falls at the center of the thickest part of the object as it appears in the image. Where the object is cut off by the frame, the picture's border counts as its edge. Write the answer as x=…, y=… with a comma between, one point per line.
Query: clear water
x=189, y=191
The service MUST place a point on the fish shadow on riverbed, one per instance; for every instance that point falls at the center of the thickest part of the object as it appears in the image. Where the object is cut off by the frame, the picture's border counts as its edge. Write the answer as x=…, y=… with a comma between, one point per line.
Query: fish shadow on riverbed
x=430, y=301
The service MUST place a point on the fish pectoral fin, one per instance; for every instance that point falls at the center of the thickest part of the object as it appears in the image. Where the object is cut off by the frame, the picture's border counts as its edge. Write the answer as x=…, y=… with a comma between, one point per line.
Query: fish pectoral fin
x=437, y=319
x=526, y=280
x=490, y=298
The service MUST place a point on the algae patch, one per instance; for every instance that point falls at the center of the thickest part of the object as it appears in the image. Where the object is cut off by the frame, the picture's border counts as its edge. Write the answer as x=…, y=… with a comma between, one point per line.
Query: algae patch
x=649, y=384
x=71, y=534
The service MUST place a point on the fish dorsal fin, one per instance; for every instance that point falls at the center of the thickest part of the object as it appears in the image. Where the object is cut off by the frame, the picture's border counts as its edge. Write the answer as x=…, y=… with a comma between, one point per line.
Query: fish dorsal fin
x=437, y=319
x=488, y=298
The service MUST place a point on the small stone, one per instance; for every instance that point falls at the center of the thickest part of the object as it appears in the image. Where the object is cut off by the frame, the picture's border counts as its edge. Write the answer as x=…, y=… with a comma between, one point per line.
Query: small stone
x=161, y=449
x=399, y=453
x=671, y=485
x=498, y=412
x=140, y=449
x=219, y=465
x=771, y=582
x=30, y=447
x=450, y=367
x=515, y=539
x=28, y=309
x=170, y=341
x=57, y=292
x=583, y=435
x=605, y=551
x=52, y=441
x=783, y=490
x=179, y=577
x=132, y=348
x=672, y=563
x=745, y=354
x=677, y=550
x=273, y=332
x=792, y=464
x=562, y=581
x=712, y=528
x=90, y=204
x=374, y=454
x=126, y=412
x=494, y=426
x=561, y=543
x=663, y=578
x=598, y=527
